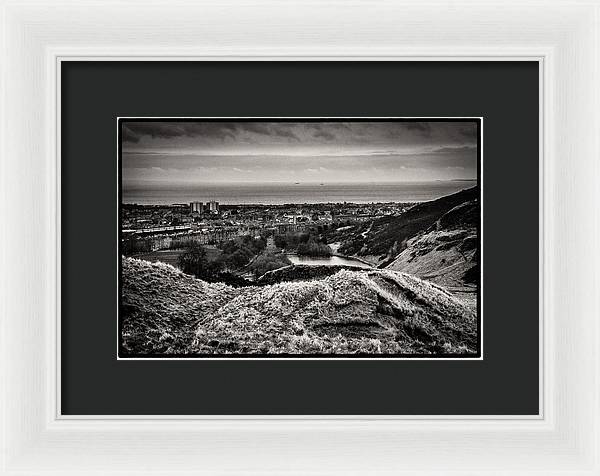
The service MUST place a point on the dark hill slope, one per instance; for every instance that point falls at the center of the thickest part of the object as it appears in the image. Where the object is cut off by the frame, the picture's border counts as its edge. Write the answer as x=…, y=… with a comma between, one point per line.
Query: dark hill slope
x=386, y=237
x=447, y=252
x=161, y=306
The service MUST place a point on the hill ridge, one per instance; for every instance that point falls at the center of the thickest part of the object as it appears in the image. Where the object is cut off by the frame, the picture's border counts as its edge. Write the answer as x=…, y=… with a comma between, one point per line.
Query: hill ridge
x=384, y=238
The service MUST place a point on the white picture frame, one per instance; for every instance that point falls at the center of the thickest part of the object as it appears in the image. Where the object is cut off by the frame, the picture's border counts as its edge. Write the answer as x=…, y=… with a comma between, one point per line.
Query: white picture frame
x=563, y=36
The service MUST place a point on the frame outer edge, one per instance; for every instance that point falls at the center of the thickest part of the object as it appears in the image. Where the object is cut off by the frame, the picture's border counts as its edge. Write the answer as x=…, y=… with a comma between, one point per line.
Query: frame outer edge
x=37, y=448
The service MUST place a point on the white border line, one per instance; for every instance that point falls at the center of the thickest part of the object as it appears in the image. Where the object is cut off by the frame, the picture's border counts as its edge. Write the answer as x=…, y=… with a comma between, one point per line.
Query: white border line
x=331, y=359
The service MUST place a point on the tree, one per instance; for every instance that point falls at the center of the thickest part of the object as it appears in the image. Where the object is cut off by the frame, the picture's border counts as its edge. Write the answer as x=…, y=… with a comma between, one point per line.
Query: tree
x=131, y=246
x=280, y=241
x=267, y=262
x=314, y=248
x=194, y=261
x=239, y=258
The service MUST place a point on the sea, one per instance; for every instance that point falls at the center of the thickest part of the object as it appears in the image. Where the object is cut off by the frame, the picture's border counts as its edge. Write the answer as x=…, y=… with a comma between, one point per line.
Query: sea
x=284, y=193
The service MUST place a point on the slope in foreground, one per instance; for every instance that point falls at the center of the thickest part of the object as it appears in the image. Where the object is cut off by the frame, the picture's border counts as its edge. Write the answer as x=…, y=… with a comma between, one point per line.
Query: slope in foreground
x=351, y=312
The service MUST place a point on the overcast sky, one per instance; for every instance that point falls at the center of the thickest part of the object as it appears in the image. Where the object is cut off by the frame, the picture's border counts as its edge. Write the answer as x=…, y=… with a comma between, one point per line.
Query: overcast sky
x=183, y=153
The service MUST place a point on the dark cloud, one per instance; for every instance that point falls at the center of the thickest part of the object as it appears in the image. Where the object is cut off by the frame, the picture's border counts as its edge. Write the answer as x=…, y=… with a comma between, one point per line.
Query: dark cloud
x=468, y=131
x=129, y=135
x=256, y=127
x=134, y=131
x=331, y=131
x=281, y=131
x=167, y=130
x=424, y=128
x=324, y=135
x=399, y=133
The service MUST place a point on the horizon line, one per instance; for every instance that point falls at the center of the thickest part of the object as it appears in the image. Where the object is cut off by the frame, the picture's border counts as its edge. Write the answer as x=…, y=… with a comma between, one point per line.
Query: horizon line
x=309, y=182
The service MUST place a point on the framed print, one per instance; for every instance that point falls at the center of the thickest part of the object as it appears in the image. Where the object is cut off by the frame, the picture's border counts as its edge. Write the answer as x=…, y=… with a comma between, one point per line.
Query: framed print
x=343, y=240
x=288, y=232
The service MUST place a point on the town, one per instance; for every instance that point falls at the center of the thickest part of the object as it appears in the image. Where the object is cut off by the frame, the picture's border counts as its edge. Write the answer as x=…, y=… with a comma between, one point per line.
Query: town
x=153, y=227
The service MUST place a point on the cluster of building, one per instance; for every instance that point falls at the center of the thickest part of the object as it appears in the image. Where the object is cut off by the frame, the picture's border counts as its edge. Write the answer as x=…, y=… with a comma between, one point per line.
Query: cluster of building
x=199, y=208
x=211, y=223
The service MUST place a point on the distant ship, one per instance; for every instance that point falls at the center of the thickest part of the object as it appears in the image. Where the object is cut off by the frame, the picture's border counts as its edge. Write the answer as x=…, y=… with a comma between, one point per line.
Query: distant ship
x=320, y=184
x=296, y=183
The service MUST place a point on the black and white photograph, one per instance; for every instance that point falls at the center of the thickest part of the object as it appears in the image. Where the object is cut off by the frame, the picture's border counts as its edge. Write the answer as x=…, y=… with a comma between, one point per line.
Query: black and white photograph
x=300, y=238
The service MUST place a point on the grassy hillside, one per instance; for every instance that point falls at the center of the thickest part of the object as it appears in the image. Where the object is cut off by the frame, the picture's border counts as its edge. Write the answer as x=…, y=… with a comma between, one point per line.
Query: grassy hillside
x=447, y=252
x=371, y=311
x=161, y=307
x=386, y=237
